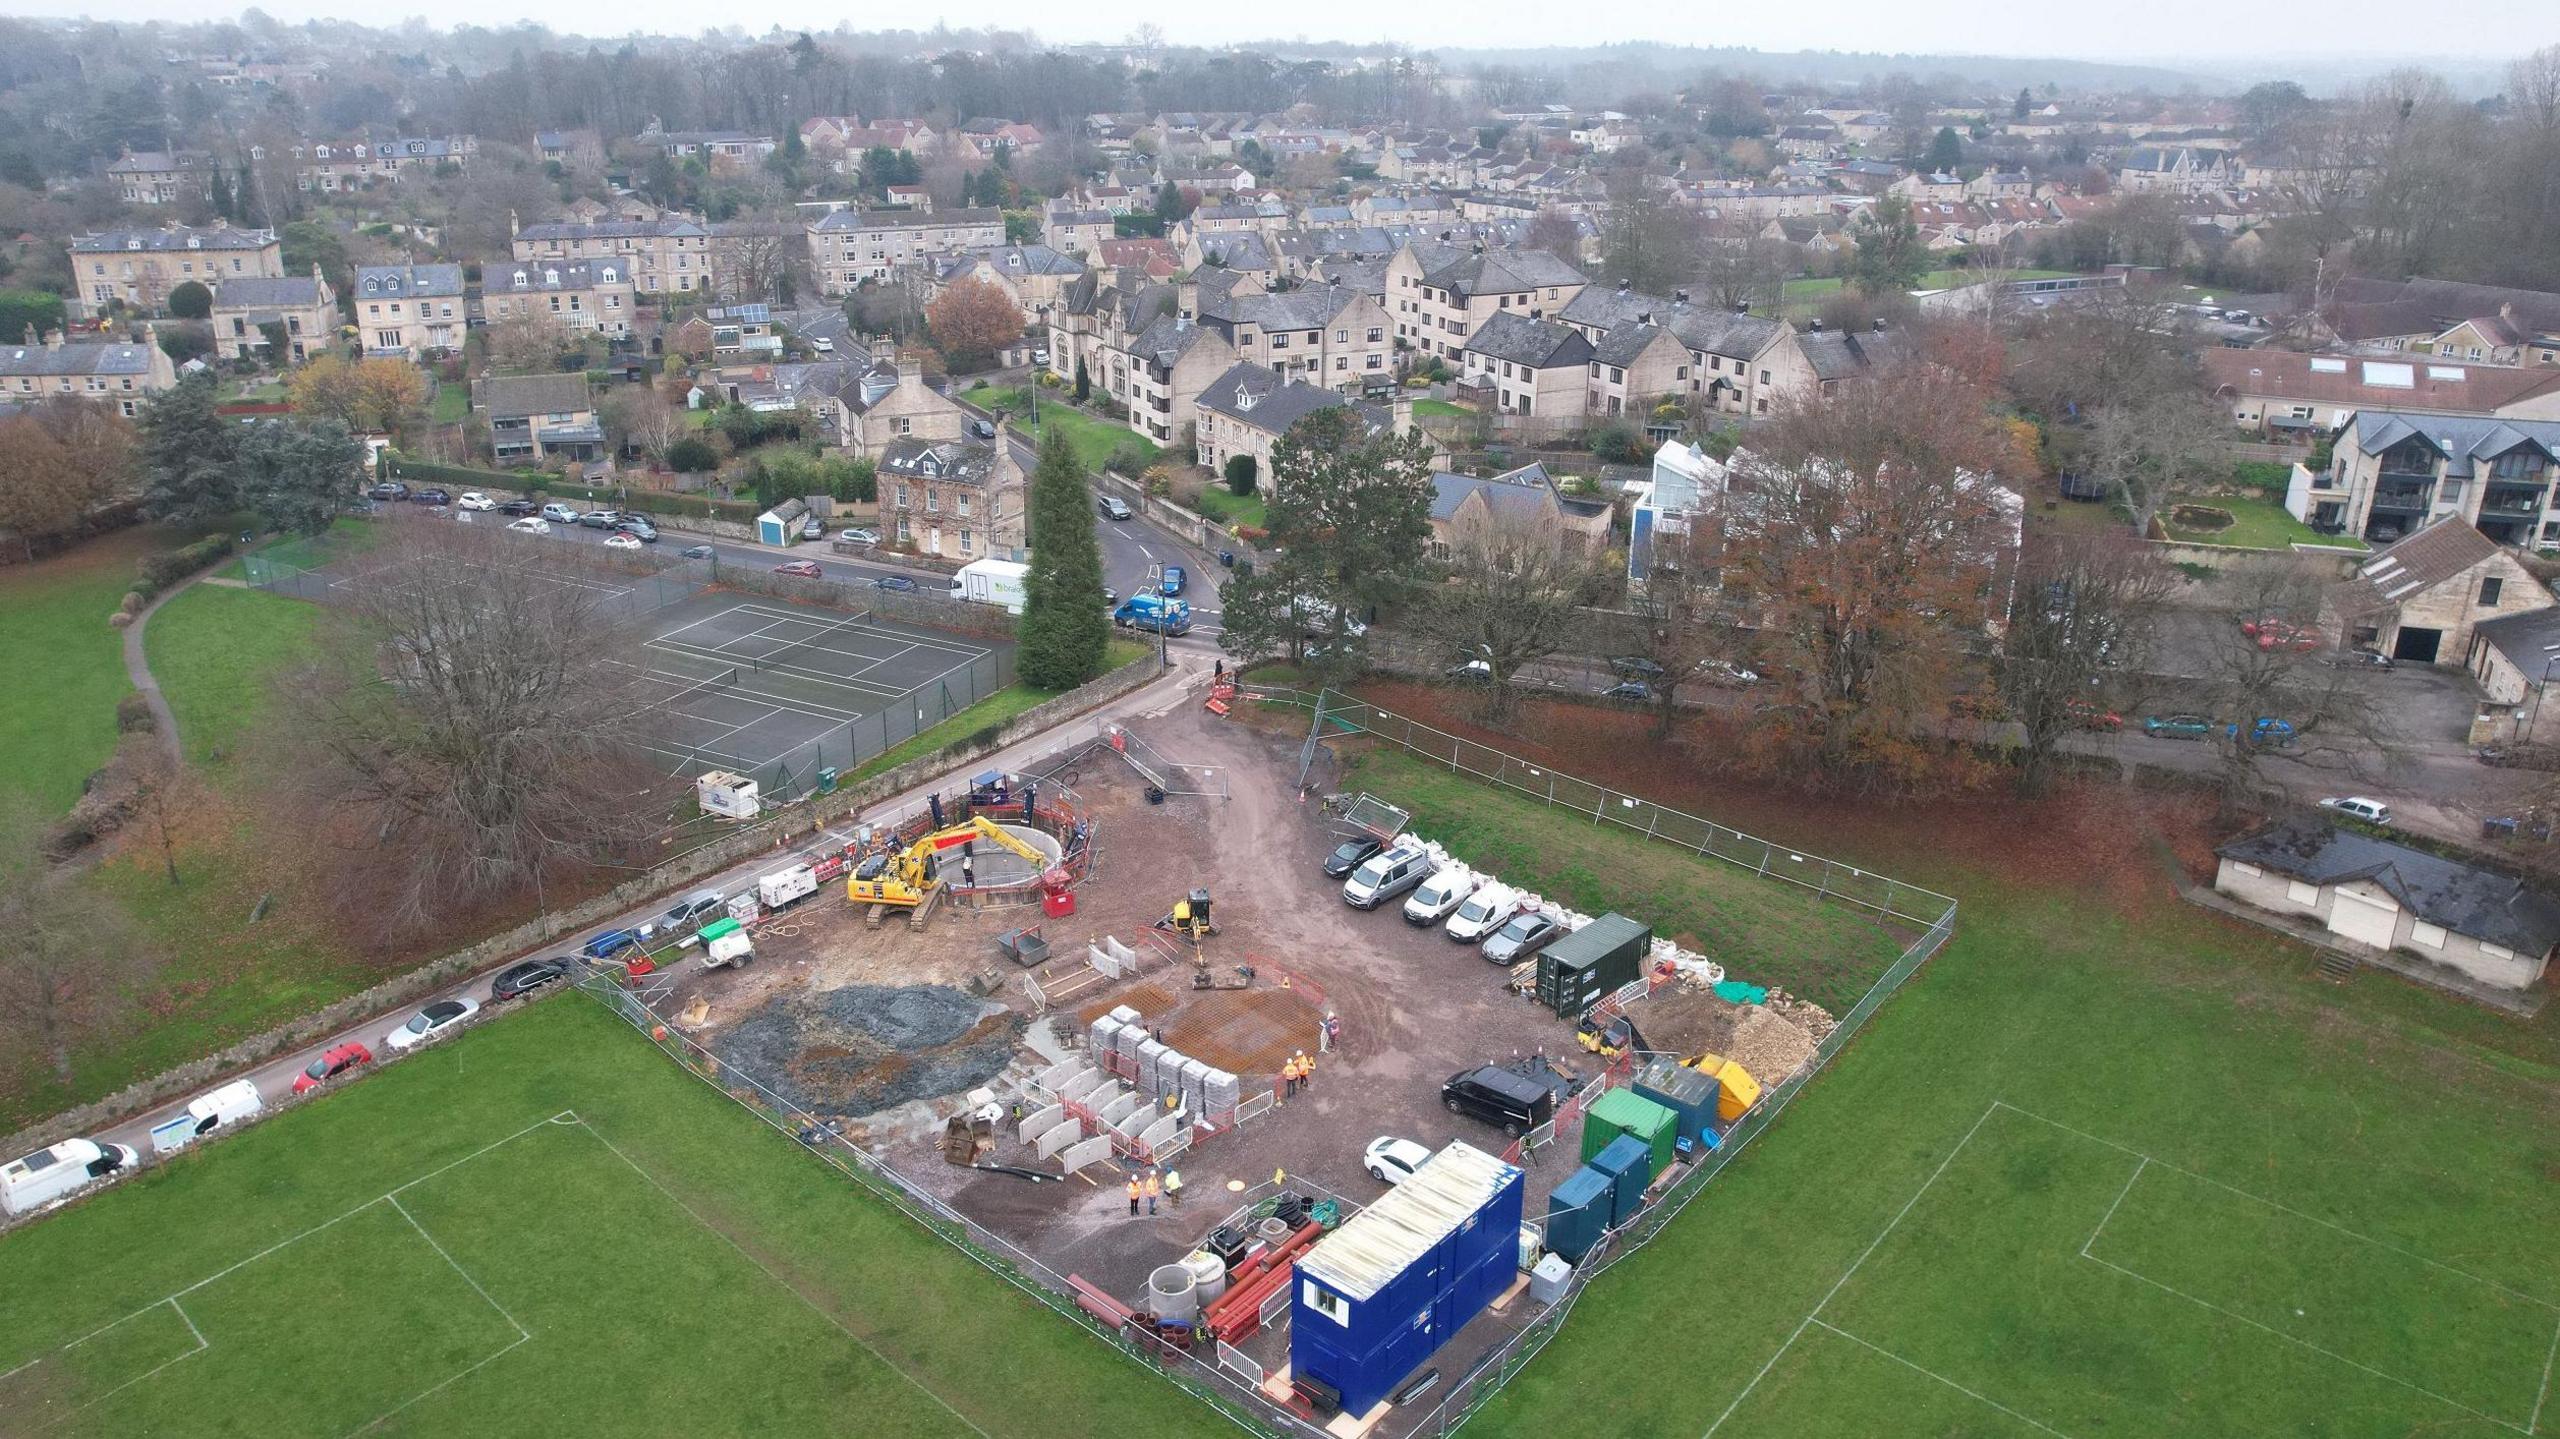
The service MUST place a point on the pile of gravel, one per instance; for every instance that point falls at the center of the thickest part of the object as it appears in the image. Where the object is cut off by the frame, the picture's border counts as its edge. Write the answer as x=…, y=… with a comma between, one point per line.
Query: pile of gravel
x=853, y=1051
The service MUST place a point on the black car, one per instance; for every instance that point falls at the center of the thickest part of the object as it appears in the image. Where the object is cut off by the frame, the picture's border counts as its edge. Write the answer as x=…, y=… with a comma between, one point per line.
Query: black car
x=518, y=509
x=430, y=496
x=1635, y=667
x=1632, y=691
x=893, y=582
x=389, y=490
x=600, y=519
x=527, y=977
x=1350, y=855
x=638, y=528
x=697, y=552
x=1501, y=1097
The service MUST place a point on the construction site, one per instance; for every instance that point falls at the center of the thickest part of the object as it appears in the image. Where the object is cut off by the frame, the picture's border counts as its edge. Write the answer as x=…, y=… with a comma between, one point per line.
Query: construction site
x=1114, y=1013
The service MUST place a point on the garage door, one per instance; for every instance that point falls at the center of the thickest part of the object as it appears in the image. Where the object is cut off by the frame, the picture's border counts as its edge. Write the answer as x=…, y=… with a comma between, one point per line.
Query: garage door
x=2417, y=646
x=2370, y=921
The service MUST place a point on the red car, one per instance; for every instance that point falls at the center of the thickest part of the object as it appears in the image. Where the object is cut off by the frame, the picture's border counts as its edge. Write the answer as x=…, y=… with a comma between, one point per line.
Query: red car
x=2089, y=716
x=2276, y=634
x=805, y=569
x=330, y=1065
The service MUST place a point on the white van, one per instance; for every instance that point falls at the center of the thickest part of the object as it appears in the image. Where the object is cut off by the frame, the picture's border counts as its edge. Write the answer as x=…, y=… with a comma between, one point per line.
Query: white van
x=1441, y=893
x=1384, y=876
x=33, y=1181
x=1484, y=911
x=231, y=1104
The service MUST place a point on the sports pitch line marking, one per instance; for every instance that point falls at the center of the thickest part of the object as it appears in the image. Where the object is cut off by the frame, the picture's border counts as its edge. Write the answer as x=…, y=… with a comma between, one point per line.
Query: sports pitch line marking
x=2143, y=1161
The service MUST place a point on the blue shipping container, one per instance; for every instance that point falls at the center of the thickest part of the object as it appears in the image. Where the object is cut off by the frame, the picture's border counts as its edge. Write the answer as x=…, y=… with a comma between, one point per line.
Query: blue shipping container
x=1628, y=1162
x=1378, y=1296
x=1689, y=1095
x=1578, y=1213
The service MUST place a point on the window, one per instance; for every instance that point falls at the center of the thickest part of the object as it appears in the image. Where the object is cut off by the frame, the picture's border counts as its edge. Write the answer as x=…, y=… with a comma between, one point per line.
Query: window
x=968, y=542
x=2430, y=935
x=932, y=501
x=2496, y=951
x=1279, y=342
x=1764, y=379
x=2301, y=893
x=902, y=504
x=2242, y=867
x=1327, y=1303
x=1376, y=333
x=2489, y=587
x=1377, y=362
x=1342, y=337
x=962, y=502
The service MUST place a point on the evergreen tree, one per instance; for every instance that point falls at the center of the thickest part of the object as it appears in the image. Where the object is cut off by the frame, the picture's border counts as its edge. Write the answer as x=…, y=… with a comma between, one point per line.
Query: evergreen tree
x=1084, y=381
x=187, y=454
x=295, y=476
x=2025, y=103
x=1350, y=513
x=1063, y=630
x=1946, y=152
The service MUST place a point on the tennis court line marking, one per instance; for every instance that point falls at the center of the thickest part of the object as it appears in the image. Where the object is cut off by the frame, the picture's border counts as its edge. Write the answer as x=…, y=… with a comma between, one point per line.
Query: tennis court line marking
x=772, y=704
x=389, y=1196
x=875, y=625
x=787, y=1287
x=748, y=662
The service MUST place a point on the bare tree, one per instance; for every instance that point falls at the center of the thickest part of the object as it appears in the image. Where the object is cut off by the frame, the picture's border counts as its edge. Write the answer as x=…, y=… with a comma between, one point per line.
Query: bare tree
x=2281, y=702
x=2082, y=624
x=469, y=727
x=1686, y=624
x=1738, y=269
x=1514, y=597
x=2147, y=447
x=75, y=963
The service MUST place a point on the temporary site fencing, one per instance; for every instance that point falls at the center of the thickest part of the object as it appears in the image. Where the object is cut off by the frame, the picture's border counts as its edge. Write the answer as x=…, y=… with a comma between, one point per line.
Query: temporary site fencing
x=1226, y=1380
x=859, y=739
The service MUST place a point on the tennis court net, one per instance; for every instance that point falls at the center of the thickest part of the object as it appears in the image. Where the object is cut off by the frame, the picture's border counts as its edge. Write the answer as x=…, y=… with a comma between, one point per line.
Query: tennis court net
x=721, y=683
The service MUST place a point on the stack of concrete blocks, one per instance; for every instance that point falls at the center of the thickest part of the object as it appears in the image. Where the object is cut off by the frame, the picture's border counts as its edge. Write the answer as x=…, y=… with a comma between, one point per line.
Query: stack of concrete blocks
x=1195, y=1073
x=1125, y=1044
x=1219, y=1093
x=1102, y=1037
x=1150, y=1054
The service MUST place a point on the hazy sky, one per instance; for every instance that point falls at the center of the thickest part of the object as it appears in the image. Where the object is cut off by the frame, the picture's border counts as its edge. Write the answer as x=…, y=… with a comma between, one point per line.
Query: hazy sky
x=2280, y=33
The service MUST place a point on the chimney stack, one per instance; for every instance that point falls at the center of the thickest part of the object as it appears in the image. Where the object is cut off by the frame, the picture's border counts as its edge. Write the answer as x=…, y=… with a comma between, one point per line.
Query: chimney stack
x=1625, y=285
x=1679, y=297
x=1816, y=326
x=1879, y=324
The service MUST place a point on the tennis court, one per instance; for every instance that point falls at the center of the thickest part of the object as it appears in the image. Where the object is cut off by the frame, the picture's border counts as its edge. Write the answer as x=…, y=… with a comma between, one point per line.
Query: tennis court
x=775, y=690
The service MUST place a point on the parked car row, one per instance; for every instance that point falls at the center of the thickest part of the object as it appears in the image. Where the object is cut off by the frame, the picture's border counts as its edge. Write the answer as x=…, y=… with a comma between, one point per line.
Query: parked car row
x=1471, y=908
x=2267, y=731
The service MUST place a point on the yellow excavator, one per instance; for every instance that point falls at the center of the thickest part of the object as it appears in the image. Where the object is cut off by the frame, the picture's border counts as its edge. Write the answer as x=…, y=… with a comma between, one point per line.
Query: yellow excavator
x=911, y=878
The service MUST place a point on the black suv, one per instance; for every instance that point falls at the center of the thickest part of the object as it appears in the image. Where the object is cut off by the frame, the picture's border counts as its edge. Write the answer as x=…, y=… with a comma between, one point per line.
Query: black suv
x=519, y=508
x=1498, y=1096
x=389, y=490
x=430, y=496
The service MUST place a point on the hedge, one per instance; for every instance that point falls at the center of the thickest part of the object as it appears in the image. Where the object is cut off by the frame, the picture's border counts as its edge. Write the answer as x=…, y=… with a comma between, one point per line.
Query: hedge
x=166, y=568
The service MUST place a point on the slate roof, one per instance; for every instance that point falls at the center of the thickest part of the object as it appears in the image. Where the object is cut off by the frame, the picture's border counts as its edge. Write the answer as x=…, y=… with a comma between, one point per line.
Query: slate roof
x=2462, y=439
x=2530, y=640
x=1705, y=329
x=1256, y=395
x=539, y=276
x=1526, y=491
x=75, y=357
x=1848, y=354
x=2435, y=554
x=1166, y=339
x=2476, y=903
x=1237, y=250
x=1463, y=270
x=517, y=396
x=1624, y=345
x=266, y=292
x=956, y=461
x=1304, y=309
x=1539, y=344
x=855, y=221
x=662, y=227
x=408, y=282
x=175, y=237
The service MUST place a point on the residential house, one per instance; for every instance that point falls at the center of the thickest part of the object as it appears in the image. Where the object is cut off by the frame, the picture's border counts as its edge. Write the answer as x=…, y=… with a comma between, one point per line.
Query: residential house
x=2421, y=599
x=1149, y=253
x=735, y=147
x=2447, y=318
x=958, y=500
x=851, y=246
x=118, y=373
x=1684, y=485
x=668, y=254
x=1076, y=232
x=1033, y=277
x=755, y=260
x=2499, y=339
x=1936, y=186
x=1097, y=313
x=1634, y=367
x=2175, y=170
x=908, y=197
x=2515, y=659
x=576, y=297
x=336, y=166
x=1531, y=367
x=889, y=402
x=1160, y=372
x=2380, y=899
x=535, y=419
x=2392, y=472
x=161, y=177
x=305, y=307
x=1247, y=408
x=1327, y=335
x=577, y=149
x=1823, y=360
x=2000, y=185
x=1439, y=293
x=1467, y=510
x=405, y=311
x=1245, y=252
x=2294, y=396
x=1738, y=362
x=138, y=268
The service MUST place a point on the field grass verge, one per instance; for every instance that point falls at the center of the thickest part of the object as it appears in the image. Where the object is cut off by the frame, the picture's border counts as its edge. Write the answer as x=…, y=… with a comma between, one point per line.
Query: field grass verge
x=216, y=653
x=66, y=666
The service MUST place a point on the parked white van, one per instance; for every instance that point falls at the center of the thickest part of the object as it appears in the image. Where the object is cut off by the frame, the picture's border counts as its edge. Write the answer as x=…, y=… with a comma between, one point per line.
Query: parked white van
x=1485, y=911
x=206, y=1113
x=1444, y=891
x=33, y=1181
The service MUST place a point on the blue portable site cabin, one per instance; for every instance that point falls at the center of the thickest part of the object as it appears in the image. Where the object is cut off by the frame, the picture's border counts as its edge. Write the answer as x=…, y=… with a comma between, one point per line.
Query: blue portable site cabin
x=1578, y=1213
x=1629, y=1164
x=1378, y=1296
x=1690, y=1096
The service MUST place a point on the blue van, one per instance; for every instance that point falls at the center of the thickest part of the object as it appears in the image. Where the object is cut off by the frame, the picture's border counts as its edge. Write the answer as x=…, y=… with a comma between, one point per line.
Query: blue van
x=610, y=943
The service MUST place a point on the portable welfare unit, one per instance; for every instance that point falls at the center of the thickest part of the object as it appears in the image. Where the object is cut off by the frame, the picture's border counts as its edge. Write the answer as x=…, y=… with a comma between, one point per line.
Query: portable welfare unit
x=1736, y=1090
x=1689, y=1095
x=1578, y=1213
x=1623, y=1111
x=1628, y=1165
x=1578, y=971
x=1377, y=1297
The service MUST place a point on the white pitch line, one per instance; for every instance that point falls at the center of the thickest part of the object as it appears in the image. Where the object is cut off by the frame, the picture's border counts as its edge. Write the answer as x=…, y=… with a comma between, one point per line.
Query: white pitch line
x=1941, y=1378
x=2139, y=1166
x=394, y=1201
x=2534, y=1423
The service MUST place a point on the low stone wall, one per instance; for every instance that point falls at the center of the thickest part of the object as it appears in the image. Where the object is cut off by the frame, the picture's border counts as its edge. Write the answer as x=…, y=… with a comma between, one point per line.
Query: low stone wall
x=1197, y=529
x=777, y=831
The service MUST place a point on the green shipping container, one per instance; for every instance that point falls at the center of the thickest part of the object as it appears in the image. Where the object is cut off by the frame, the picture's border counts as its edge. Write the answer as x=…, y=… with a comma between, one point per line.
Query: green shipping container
x=1623, y=1111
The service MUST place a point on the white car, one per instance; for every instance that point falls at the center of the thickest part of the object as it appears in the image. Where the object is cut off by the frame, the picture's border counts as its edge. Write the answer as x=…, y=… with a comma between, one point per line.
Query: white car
x=474, y=500
x=431, y=1023
x=823, y=345
x=1725, y=672
x=2371, y=811
x=1392, y=1161
x=618, y=541
x=530, y=525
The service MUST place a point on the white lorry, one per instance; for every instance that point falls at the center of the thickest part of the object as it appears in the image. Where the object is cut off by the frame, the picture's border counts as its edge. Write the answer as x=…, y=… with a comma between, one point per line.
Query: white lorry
x=30, y=1182
x=783, y=886
x=991, y=582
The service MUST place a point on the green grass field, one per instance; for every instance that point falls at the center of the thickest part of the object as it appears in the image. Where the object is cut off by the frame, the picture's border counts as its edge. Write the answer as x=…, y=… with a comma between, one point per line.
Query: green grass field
x=1093, y=437
x=1229, y=508
x=216, y=652
x=541, y=1226
x=2257, y=524
x=2108, y=1167
x=1440, y=409
x=58, y=722
x=1762, y=930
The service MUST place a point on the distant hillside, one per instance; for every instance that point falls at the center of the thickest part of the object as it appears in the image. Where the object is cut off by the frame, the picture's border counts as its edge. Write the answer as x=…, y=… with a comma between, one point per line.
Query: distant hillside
x=1677, y=64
